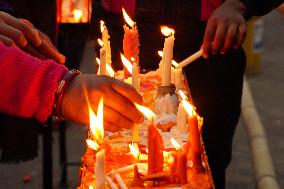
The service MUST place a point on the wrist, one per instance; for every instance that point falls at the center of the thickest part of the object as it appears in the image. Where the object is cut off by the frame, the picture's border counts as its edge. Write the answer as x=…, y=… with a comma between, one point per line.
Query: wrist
x=62, y=86
x=239, y=6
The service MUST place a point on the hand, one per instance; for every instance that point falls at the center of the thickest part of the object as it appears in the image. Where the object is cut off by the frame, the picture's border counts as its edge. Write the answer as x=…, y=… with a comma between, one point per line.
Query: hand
x=21, y=33
x=119, y=111
x=226, y=28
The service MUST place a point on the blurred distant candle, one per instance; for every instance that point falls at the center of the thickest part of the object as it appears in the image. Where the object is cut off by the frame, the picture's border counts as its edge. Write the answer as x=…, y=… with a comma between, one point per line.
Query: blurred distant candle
x=103, y=58
x=100, y=170
x=106, y=42
x=135, y=76
x=130, y=40
x=167, y=55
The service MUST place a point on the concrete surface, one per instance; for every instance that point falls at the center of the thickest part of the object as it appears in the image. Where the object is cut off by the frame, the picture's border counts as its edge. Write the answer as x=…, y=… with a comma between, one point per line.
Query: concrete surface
x=267, y=89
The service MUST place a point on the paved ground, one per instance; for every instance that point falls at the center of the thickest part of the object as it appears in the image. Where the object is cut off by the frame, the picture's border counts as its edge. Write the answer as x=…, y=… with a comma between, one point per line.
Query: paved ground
x=267, y=89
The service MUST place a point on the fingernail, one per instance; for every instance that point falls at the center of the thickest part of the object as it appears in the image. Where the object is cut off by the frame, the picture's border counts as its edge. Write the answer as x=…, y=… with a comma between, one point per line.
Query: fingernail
x=37, y=40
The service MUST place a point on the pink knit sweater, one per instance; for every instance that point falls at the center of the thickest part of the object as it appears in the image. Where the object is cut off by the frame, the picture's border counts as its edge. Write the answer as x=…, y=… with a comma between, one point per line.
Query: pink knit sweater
x=27, y=84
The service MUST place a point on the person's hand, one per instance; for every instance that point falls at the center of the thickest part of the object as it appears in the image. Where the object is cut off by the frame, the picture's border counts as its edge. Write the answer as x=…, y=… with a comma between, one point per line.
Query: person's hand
x=226, y=28
x=21, y=33
x=119, y=110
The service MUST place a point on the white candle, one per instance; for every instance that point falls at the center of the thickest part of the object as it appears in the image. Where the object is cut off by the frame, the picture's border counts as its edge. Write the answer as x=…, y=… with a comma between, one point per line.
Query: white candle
x=100, y=169
x=135, y=76
x=181, y=118
x=173, y=70
x=105, y=39
x=178, y=78
x=102, y=61
x=167, y=60
x=119, y=181
x=110, y=183
x=191, y=59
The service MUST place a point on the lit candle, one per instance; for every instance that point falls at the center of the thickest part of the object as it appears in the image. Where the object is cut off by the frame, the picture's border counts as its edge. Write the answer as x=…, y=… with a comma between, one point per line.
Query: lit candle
x=181, y=118
x=106, y=42
x=100, y=170
x=135, y=76
x=130, y=40
x=167, y=55
x=178, y=78
x=155, y=150
x=194, y=135
x=179, y=167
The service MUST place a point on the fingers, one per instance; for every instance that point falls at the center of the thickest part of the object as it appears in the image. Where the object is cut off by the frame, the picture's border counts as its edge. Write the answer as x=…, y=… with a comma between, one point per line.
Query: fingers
x=219, y=38
x=230, y=38
x=16, y=35
x=7, y=41
x=117, y=120
x=34, y=52
x=208, y=37
x=29, y=32
x=123, y=105
x=242, y=35
x=51, y=52
x=127, y=91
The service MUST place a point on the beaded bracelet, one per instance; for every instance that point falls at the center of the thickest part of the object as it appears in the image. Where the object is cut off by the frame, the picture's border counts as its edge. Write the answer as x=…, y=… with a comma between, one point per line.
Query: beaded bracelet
x=67, y=78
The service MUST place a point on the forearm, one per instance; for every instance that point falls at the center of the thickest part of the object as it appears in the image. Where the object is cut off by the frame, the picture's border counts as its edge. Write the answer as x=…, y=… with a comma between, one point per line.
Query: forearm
x=27, y=84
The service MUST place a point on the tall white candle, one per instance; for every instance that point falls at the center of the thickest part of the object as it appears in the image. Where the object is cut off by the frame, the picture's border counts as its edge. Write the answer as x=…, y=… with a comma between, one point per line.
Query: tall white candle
x=167, y=60
x=181, y=118
x=178, y=78
x=100, y=170
x=102, y=61
x=135, y=76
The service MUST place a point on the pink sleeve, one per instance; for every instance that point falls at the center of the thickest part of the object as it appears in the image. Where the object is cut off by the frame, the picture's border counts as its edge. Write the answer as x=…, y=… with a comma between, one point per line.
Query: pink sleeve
x=27, y=84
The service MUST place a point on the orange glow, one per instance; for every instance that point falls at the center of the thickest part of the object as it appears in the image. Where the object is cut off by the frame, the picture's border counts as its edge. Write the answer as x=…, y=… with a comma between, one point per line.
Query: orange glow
x=134, y=149
x=149, y=114
x=77, y=15
x=126, y=63
x=167, y=31
x=91, y=187
x=96, y=122
x=175, y=144
x=168, y=158
x=92, y=144
x=127, y=18
x=101, y=43
x=174, y=63
x=102, y=25
x=188, y=107
x=182, y=95
x=110, y=71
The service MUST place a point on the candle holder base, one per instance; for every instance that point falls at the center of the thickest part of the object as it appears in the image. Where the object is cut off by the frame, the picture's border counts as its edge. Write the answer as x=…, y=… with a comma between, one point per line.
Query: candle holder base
x=163, y=90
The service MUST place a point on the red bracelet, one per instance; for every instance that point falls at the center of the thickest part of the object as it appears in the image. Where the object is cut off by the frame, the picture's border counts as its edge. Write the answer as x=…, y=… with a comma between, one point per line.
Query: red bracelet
x=67, y=78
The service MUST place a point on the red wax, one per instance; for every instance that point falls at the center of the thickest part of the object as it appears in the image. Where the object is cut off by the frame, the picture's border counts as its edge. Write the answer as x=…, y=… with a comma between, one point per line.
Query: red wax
x=195, y=141
x=130, y=46
x=155, y=150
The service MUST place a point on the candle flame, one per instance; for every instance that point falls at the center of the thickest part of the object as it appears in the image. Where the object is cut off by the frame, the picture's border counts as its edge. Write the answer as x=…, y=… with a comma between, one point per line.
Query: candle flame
x=175, y=144
x=101, y=43
x=174, y=63
x=134, y=149
x=91, y=187
x=109, y=69
x=149, y=114
x=102, y=23
x=92, y=144
x=127, y=19
x=77, y=14
x=96, y=122
x=126, y=63
x=168, y=158
x=182, y=95
x=167, y=31
x=188, y=107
